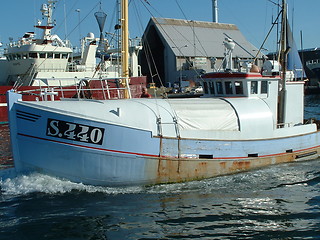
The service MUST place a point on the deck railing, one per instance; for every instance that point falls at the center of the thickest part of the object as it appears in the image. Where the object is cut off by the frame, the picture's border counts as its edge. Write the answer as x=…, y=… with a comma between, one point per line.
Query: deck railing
x=99, y=89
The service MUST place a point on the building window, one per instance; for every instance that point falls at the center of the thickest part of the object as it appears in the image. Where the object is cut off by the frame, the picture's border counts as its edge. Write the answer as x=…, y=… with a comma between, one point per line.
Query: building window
x=254, y=87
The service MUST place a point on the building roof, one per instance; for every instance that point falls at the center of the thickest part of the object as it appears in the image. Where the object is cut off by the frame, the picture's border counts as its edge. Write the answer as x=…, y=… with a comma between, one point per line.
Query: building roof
x=202, y=38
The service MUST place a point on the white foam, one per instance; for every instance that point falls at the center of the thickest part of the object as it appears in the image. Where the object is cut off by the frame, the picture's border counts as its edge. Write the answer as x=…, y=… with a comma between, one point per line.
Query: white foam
x=36, y=182
x=12, y=184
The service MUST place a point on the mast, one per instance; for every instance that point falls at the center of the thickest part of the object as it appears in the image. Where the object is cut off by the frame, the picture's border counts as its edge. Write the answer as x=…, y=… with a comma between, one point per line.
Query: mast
x=47, y=10
x=284, y=50
x=125, y=47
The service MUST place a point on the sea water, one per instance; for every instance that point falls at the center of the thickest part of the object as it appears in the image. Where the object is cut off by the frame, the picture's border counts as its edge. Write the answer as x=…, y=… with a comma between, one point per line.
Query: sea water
x=277, y=202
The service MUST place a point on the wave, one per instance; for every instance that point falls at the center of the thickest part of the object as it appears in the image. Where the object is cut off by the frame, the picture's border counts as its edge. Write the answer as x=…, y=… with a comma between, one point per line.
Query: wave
x=13, y=184
x=41, y=183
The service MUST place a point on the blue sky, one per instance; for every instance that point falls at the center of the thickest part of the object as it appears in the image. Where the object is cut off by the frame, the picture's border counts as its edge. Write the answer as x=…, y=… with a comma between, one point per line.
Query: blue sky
x=253, y=17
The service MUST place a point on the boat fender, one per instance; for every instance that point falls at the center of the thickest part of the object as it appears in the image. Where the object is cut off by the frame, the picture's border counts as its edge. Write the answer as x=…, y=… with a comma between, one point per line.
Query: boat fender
x=255, y=69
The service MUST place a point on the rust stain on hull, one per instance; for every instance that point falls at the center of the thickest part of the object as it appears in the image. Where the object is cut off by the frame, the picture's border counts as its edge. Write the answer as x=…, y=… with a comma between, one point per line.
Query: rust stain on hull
x=187, y=169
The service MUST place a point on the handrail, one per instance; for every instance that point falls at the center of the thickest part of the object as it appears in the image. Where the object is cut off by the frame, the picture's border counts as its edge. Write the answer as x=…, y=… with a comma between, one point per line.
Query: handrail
x=97, y=88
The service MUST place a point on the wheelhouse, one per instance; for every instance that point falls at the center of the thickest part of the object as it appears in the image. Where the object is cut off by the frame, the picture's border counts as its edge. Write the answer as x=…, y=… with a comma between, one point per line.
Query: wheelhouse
x=237, y=84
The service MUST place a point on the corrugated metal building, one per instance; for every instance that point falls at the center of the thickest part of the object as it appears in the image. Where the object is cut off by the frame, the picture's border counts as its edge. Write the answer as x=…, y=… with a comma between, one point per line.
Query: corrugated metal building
x=182, y=49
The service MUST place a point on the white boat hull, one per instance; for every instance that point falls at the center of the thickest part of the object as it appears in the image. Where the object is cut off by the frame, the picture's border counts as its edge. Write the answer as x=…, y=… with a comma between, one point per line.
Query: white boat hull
x=121, y=155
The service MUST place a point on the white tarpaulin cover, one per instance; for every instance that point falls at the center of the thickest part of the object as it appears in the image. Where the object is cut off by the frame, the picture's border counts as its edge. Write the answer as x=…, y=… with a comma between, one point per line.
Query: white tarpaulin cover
x=205, y=114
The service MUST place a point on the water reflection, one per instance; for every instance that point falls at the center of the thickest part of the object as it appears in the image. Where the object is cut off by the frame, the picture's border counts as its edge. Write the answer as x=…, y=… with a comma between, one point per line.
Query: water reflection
x=311, y=106
x=280, y=202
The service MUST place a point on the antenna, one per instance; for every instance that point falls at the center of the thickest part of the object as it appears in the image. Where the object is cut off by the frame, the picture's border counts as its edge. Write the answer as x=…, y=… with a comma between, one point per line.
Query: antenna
x=47, y=11
x=79, y=22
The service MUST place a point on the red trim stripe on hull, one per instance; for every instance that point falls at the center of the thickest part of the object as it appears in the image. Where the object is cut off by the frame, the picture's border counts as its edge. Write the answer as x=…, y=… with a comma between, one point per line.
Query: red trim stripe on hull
x=151, y=155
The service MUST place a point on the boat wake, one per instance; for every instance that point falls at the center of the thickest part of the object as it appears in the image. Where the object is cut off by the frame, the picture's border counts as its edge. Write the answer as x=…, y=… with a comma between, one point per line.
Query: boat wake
x=267, y=179
x=15, y=184
x=12, y=184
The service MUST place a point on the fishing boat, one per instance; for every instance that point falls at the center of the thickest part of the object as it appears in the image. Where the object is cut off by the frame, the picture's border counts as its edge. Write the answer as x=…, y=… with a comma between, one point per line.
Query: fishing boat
x=36, y=66
x=244, y=121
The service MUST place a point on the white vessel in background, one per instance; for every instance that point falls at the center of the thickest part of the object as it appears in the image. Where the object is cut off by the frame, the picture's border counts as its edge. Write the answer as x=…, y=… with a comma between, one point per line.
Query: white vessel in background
x=48, y=62
x=3, y=69
x=314, y=66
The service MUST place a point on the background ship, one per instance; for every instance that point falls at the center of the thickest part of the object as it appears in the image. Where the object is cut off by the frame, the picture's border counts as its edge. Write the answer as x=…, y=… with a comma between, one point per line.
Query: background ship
x=34, y=65
x=311, y=60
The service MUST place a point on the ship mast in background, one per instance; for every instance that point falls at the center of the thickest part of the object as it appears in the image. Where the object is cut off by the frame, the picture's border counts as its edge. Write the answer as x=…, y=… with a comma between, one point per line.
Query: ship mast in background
x=215, y=11
x=46, y=10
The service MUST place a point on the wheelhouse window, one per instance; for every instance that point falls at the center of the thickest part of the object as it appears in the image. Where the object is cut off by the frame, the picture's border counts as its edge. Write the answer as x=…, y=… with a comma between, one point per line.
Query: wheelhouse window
x=64, y=55
x=239, y=87
x=219, y=87
x=33, y=55
x=228, y=87
x=42, y=55
x=211, y=87
x=254, y=87
x=57, y=55
x=49, y=55
x=205, y=86
x=264, y=87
